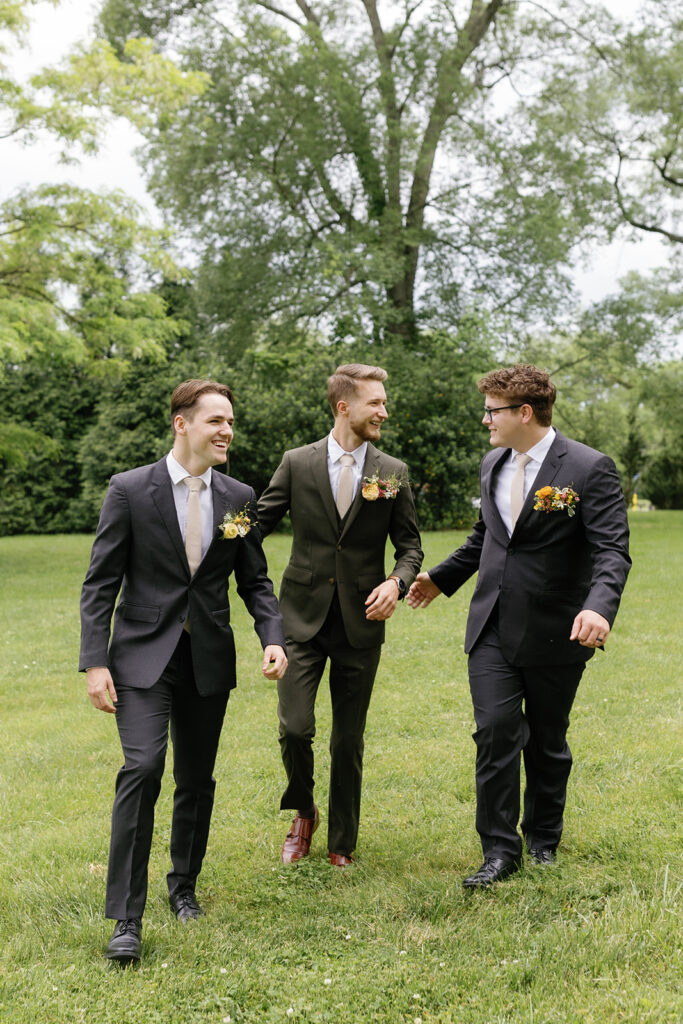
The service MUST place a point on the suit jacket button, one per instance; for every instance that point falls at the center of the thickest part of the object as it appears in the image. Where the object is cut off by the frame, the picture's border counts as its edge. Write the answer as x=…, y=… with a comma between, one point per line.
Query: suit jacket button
x=331, y=579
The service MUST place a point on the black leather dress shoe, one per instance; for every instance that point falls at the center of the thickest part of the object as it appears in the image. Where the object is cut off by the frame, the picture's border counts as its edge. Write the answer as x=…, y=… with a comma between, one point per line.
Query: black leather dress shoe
x=543, y=856
x=125, y=945
x=494, y=869
x=185, y=906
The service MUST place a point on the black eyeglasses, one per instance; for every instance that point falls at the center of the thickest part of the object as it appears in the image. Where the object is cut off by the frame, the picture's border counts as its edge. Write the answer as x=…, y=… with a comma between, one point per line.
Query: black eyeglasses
x=488, y=413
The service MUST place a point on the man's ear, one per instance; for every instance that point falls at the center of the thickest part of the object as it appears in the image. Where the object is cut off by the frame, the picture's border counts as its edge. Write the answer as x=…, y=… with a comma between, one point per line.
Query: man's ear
x=179, y=424
x=527, y=413
x=342, y=407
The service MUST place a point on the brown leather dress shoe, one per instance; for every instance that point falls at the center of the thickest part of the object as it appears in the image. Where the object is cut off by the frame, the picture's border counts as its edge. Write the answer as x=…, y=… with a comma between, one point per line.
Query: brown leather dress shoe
x=338, y=860
x=298, y=841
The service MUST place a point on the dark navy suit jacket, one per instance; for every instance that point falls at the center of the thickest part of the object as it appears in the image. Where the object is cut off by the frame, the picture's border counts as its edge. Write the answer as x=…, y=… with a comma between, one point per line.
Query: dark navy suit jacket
x=552, y=566
x=139, y=550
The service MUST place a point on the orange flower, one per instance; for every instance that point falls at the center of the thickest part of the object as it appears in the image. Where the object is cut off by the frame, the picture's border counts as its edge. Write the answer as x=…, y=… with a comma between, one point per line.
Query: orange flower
x=544, y=492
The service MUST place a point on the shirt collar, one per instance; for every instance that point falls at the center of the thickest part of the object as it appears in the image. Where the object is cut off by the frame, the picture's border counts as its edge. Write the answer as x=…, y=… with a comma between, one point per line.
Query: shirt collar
x=335, y=451
x=539, y=451
x=178, y=473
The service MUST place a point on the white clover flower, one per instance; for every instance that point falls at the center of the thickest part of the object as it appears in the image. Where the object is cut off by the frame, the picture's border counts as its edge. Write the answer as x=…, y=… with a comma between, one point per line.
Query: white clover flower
x=328, y=981
x=290, y=1011
x=224, y=970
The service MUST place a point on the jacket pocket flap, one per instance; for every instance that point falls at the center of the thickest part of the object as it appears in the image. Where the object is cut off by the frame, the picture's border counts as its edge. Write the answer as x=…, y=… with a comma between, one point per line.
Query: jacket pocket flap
x=139, y=612
x=298, y=575
x=221, y=617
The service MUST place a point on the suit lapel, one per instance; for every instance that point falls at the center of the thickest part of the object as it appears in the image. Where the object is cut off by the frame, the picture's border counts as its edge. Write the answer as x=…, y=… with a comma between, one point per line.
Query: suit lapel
x=321, y=475
x=550, y=467
x=370, y=467
x=490, y=512
x=161, y=490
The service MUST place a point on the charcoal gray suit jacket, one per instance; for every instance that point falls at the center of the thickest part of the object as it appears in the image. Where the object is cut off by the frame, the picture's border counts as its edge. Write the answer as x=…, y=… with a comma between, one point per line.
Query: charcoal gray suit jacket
x=139, y=550
x=331, y=556
x=553, y=566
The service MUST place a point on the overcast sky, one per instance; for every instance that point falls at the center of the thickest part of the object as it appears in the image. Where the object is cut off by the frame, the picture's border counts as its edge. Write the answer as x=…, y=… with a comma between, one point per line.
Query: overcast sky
x=55, y=30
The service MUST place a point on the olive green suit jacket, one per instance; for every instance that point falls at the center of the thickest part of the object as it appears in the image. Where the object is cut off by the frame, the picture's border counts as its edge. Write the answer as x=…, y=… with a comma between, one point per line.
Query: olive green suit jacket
x=330, y=555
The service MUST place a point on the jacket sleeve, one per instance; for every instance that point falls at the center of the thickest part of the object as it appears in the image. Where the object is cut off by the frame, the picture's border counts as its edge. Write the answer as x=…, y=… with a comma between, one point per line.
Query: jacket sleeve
x=606, y=530
x=455, y=570
x=275, y=501
x=103, y=579
x=405, y=535
x=255, y=587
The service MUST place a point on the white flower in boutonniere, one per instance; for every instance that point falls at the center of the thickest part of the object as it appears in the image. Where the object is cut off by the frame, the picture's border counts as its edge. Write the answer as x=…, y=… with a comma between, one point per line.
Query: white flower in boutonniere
x=235, y=524
x=375, y=487
x=556, y=499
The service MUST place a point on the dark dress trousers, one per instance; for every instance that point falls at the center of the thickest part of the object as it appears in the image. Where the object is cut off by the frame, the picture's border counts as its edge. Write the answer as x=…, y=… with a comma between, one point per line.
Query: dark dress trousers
x=530, y=587
x=161, y=673
x=333, y=567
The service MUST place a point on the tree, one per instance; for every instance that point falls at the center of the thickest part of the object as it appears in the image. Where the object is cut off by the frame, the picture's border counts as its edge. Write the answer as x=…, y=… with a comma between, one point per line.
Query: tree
x=78, y=269
x=354, y=167
x=621, y=107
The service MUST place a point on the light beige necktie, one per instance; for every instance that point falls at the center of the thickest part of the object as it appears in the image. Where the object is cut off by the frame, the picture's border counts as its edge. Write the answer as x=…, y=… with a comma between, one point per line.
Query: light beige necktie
x=345, y=489
x=193, y=526
x=517, y=488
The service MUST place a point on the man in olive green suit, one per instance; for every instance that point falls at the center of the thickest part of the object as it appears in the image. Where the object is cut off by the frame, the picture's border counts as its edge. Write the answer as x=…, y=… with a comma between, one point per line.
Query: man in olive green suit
x=345, y=498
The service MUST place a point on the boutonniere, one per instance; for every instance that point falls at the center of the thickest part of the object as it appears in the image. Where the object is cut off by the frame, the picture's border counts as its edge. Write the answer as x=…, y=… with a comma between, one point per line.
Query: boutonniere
x=236, y=524
x=556, y=499
x=375, y=487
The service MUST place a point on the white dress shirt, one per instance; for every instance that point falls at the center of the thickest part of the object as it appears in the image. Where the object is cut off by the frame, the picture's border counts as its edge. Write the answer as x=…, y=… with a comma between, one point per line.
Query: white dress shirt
x=334, y=466
x=506, y=472
x=181, y=493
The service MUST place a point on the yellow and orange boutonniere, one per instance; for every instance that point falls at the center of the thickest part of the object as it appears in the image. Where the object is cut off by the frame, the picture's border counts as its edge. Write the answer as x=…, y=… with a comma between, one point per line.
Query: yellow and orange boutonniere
x=235, y=524
x=375, y=487
x=556, y=499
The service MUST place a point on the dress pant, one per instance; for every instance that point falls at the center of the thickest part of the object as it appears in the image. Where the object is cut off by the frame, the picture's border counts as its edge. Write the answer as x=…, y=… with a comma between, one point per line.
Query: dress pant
x=352, y=675
x=520, y=711
x=143, y=717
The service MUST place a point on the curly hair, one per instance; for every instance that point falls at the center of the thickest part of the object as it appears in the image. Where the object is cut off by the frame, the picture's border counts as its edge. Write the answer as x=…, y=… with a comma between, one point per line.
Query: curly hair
x=523, y=383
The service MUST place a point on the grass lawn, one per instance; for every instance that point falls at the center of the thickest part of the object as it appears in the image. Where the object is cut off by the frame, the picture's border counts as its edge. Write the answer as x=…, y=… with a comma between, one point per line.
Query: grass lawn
x=394, y=938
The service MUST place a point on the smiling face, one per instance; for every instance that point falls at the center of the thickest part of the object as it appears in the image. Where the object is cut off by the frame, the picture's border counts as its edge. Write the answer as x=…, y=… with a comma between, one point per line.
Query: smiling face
x=204, y=433
x=360, y=418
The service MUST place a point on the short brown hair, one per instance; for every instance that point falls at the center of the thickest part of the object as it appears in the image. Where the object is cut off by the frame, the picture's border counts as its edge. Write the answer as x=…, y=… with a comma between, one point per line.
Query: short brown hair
x=526, y=384
x=187, y=394
x=342, y=385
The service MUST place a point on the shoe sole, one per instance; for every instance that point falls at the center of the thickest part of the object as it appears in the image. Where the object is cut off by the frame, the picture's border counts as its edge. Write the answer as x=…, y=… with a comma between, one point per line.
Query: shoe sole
x=123, y=959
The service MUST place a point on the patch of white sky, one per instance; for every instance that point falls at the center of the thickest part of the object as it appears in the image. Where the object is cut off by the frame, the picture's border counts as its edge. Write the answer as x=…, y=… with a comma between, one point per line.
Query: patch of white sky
x=56, y=29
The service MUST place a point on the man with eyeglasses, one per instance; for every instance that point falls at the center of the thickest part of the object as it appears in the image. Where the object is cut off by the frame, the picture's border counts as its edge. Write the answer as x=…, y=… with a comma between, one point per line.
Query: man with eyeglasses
x=551, y=552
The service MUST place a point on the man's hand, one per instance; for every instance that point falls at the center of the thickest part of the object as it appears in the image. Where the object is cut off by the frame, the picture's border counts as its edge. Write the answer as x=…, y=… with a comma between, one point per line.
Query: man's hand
x=274, y=662
x=380, y=603
x=422, y=592
x=101, y=689
x=590, y=629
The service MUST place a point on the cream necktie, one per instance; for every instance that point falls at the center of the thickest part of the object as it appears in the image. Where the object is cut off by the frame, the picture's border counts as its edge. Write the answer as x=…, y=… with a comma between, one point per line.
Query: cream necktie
x=345, y=488
x=193, y=526
x=517, y=488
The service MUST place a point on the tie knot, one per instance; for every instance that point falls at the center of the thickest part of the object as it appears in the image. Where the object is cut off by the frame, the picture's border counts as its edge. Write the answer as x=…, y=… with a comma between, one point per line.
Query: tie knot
x=347, y=460
x=193, y=483
x=521, y=460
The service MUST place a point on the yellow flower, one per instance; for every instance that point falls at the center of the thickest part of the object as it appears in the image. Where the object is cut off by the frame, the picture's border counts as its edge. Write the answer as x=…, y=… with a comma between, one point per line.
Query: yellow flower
x=230, y=531
x=544, y=492
x=371, y=492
